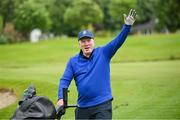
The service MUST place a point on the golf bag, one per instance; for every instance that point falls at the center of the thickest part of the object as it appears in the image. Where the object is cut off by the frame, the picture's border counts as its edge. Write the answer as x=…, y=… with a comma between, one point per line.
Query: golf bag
x=34, y=107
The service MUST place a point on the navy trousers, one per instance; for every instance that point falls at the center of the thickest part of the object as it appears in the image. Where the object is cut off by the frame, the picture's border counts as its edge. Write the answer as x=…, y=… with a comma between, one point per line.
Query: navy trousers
x=101, y=111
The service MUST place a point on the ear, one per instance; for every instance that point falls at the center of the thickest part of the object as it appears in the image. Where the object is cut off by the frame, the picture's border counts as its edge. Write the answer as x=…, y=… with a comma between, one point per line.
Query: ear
x=79, y=44
x=93, y=42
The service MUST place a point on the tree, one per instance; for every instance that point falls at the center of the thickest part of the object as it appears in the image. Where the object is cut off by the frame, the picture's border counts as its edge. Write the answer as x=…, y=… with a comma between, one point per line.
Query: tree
x=107, y=20
x=117, y=8
x=82, y=14
x=7, y=9
x=57, y=11
x=30, y=15
x=168, y=14
x=145, y=10
x=1, y=23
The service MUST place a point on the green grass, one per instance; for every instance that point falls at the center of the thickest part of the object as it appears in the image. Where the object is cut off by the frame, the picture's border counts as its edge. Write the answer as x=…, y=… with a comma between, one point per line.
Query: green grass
x=135, y=48
x=145, y=88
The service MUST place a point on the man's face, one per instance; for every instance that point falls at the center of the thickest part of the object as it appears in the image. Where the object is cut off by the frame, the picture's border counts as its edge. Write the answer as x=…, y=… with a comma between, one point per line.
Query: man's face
x=87, y=46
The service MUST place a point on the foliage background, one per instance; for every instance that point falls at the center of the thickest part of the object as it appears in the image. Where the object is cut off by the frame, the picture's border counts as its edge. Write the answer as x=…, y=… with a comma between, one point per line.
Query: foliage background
x=68, y=17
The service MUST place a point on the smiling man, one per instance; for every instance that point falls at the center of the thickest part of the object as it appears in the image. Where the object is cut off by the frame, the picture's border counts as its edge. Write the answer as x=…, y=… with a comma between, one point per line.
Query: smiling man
x=90, y=69
x=86, y=42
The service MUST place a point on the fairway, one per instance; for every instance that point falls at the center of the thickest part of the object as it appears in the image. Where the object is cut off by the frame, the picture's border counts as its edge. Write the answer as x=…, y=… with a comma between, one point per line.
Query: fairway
x=146, y=90
x=145, y=74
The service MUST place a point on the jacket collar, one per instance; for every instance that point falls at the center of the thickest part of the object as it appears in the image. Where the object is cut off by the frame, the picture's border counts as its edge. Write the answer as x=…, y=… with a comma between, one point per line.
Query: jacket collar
x=81, y=54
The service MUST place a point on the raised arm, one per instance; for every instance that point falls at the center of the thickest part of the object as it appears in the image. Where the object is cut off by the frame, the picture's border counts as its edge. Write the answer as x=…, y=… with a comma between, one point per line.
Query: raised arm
x=111, y=48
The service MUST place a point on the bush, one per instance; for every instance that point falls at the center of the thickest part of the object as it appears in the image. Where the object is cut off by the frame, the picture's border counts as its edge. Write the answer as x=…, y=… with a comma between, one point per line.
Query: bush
x=11, y=34
x=30, y=15
x=4, y=39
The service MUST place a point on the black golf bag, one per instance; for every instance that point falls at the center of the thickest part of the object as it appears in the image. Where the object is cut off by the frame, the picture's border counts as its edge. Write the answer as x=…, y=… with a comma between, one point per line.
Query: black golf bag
x=34, y=107
x=39, y=107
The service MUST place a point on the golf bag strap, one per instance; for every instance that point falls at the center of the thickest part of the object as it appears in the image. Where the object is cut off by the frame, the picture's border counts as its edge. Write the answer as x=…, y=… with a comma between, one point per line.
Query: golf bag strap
x=26, y=103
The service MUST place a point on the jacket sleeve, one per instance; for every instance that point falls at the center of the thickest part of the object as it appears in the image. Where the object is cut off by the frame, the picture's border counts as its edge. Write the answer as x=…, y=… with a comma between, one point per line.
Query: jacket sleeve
x=110, y=49
x=65, y=79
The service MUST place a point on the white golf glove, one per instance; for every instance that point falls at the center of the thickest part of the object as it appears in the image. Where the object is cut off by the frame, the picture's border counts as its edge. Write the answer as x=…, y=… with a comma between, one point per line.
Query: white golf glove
x=130, y=19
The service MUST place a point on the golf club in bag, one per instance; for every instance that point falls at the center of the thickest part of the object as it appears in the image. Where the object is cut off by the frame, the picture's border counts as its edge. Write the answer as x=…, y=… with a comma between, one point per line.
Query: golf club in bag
x=39, y=107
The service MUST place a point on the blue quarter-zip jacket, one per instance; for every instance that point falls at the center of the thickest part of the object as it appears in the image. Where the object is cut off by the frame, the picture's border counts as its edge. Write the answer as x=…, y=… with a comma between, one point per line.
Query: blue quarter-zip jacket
x=92, y=75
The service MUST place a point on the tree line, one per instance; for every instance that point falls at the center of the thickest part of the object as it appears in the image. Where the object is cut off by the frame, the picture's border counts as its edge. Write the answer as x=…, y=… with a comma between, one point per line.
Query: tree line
x=68, y=17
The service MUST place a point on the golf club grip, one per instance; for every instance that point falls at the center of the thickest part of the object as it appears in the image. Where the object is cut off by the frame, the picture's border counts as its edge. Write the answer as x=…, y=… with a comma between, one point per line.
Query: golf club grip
x=70, y=106
x=65, y=96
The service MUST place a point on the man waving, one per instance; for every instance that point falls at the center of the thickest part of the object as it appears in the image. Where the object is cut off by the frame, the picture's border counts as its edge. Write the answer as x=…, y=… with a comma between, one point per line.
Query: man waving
x=90, y=69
